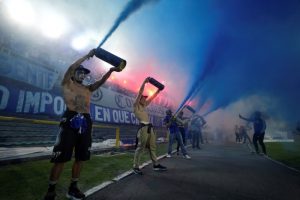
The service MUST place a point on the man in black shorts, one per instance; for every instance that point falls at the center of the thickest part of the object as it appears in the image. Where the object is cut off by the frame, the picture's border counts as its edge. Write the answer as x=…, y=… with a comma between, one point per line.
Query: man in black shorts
x=76, y=126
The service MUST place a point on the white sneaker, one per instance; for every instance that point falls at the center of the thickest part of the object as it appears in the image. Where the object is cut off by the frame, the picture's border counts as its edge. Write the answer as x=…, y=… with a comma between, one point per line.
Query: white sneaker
x=168, y=156
x=187, y=156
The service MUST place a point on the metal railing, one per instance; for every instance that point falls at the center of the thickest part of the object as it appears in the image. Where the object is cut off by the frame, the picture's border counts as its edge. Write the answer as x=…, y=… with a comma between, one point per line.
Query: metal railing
x=50, y=122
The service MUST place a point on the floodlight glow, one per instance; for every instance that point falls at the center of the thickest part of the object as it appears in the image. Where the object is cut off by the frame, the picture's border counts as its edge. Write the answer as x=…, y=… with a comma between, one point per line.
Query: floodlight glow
x=93, y=37
x=20, y=11
x=80, y=43
x=53, y=25
x=86, y=39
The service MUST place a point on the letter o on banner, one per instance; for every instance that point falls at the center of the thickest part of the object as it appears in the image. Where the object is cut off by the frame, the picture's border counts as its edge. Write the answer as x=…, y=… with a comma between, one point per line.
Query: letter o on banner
x=128, y=102
x=4, y=95
x=59, y=105
x=115, y=116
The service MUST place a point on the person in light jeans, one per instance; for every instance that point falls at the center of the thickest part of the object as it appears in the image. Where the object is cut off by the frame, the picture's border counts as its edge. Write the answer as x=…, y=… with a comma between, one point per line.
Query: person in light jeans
x=181, y=127
x=171, y=123
x=196, y=124
x=246, y=138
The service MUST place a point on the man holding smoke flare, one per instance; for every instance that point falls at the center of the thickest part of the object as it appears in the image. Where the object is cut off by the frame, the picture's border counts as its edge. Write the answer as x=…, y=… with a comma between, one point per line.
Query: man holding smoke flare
x=75, y=126
x=145, y=135
x=171, y=122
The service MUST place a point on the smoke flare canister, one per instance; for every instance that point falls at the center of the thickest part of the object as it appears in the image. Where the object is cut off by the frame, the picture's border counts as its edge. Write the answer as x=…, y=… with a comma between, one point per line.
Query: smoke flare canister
x=190, y=108
x=156, y=83
x=110, y=58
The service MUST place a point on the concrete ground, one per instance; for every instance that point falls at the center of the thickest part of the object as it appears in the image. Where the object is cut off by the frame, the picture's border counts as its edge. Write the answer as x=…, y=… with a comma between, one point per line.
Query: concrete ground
x=214, y=172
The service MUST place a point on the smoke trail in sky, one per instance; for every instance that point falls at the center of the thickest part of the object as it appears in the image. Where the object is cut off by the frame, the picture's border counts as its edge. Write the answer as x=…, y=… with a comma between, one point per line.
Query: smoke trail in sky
x=129, y=9
x=209, y=68
x=258, y=57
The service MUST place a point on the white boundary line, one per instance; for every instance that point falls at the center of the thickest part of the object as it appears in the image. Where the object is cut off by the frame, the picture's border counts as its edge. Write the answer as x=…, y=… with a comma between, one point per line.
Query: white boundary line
x=97, y=188
x=119, y=177
x=282, y=164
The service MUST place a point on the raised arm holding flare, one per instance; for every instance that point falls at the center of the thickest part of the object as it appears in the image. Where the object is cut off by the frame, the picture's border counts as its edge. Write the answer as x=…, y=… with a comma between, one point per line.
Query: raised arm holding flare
x=172, y=124
x=75, y=127
x=145, y=135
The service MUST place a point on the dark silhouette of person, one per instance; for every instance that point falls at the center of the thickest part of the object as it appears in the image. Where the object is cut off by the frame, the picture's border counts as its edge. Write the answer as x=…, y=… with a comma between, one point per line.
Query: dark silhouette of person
x=259, y=127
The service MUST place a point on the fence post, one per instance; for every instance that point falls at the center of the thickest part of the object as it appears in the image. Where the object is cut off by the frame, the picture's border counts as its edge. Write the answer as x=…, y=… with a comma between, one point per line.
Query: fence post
x=118, y=137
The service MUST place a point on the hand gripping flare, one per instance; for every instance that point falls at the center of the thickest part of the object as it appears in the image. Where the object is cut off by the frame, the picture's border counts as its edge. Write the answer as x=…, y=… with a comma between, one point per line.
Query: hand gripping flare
x=110, y=58
x=185, y=107
x=190, y=109
x=156, y=83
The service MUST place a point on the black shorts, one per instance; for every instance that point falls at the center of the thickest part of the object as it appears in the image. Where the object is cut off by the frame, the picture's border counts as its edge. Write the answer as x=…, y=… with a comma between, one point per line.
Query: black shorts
x=70, y=139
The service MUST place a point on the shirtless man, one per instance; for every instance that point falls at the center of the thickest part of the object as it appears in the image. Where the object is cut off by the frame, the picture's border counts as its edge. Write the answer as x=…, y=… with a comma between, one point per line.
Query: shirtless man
x=145, y=135
x=75, y=126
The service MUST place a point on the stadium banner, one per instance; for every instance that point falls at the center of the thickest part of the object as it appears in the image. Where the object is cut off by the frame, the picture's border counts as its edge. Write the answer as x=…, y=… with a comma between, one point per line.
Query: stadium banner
x=107, y=106
x=21, y=69
x=112, y=99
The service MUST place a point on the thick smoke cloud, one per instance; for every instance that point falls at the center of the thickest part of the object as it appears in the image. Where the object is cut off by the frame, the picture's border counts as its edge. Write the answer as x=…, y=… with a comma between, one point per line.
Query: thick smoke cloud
x=256, y=52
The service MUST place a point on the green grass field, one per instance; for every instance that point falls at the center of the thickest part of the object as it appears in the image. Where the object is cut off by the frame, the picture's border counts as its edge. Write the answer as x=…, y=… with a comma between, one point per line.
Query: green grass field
x=285, y=152
x=29, y=181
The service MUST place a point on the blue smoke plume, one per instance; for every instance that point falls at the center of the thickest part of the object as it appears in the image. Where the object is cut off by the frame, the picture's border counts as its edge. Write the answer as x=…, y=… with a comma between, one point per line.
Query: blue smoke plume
x=210, y=67
x=129, y=9
x=256, y=53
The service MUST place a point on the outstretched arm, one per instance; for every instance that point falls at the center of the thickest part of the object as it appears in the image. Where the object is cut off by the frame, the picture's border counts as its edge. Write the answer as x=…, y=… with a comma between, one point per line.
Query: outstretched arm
x=244, y=118
x=70, y=72
x=100, y=82
x=138, y=98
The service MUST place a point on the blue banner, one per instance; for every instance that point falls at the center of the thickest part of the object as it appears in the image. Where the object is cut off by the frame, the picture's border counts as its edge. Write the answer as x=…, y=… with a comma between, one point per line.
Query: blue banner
x=18, y=68
x=24, y=100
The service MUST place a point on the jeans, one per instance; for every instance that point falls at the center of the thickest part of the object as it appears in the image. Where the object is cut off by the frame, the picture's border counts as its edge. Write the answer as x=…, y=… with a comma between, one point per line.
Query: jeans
x=176, y=135
x=195, y=139
x=182, y=132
